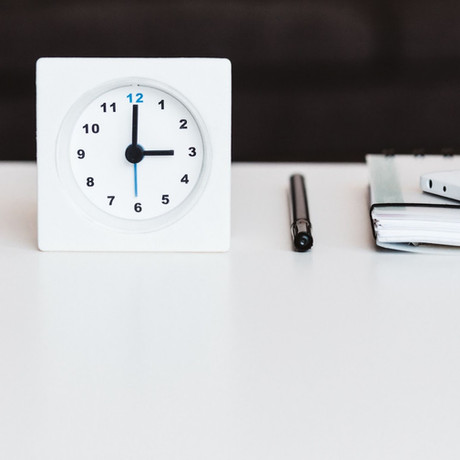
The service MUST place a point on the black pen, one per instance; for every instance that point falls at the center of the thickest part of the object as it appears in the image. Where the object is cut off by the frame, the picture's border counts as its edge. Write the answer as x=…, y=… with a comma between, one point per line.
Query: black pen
x=301, y=226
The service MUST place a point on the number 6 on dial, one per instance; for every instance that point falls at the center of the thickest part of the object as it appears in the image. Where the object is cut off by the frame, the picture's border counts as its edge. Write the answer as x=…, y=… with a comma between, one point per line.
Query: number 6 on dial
x=133, y=154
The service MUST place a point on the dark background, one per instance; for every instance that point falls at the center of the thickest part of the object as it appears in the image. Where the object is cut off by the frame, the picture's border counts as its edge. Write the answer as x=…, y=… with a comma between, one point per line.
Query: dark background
x=317, y=80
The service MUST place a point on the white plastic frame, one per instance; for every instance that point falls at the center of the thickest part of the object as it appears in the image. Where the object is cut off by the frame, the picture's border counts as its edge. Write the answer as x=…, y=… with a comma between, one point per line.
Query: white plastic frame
x=202, y=223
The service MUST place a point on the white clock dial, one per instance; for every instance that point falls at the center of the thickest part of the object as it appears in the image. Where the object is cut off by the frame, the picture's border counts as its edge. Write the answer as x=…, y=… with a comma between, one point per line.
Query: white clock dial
x=134, y=155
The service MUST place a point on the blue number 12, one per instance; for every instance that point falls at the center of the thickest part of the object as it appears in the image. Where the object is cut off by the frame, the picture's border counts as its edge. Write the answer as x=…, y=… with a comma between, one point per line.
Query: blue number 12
x=139, y=98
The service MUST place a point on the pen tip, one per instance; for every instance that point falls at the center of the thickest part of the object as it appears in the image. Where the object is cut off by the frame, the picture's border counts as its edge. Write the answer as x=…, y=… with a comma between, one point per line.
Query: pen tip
x=303, y=242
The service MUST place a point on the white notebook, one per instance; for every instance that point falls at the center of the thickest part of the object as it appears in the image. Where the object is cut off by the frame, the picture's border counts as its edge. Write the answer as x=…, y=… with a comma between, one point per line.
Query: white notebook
x=403, y=217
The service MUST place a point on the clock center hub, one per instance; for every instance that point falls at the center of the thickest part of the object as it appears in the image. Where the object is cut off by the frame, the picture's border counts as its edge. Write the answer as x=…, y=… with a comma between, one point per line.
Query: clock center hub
x=134, y=153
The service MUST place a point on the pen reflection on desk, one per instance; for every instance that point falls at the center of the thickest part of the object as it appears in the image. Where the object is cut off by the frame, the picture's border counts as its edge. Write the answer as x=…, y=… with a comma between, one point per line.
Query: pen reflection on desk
x=301, y=226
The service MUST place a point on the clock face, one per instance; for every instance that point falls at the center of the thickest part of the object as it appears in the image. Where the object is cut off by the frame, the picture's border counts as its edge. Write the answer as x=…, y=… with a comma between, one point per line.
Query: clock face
x=133, y=154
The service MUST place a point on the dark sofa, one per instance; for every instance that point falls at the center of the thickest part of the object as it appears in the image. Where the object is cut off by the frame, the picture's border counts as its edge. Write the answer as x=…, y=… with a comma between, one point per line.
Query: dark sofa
x=312, y=80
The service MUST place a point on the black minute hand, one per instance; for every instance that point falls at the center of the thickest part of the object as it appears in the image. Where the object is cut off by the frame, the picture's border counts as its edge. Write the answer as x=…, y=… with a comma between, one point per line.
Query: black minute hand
x=134, y=152
x=135, y=123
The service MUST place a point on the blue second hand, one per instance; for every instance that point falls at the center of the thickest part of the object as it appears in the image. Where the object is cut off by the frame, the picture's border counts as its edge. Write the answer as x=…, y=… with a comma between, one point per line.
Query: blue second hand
x=135, y=180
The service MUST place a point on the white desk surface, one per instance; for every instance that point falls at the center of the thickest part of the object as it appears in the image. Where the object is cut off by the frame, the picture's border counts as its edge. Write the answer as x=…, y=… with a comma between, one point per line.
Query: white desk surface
x=345, y=352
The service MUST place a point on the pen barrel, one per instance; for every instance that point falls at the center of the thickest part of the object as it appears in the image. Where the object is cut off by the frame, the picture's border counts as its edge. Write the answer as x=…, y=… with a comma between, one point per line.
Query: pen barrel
x=299, y=199
x=301, y=226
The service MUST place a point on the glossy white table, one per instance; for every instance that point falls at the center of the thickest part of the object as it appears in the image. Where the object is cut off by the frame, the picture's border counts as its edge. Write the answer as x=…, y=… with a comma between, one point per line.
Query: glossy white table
x=345, y=352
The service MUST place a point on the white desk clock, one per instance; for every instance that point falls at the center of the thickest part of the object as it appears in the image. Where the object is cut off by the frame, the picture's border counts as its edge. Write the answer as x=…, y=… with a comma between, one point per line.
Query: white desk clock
x=133, y=154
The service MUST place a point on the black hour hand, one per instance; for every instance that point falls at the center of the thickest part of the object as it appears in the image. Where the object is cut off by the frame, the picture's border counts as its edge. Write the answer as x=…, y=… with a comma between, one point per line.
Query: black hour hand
x=135, y=153
x=163, y=153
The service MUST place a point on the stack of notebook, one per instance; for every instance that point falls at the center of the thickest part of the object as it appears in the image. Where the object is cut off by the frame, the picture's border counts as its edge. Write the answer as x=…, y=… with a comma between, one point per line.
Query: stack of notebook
x=402, y=215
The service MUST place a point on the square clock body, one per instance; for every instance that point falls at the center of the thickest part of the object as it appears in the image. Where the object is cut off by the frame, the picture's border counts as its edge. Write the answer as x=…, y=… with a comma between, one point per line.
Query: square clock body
x=133, y=154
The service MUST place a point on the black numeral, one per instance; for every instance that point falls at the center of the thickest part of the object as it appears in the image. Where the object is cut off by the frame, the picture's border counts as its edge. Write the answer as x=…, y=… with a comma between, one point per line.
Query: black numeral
x=81, y=154
x=94, y=128
x=111, y=198
x=90, y=182
x=162, y=104
x=112, y=106
x=185, y=179
x=165, y=199
x=138, y=207
x=192, y=152
x=183, y=124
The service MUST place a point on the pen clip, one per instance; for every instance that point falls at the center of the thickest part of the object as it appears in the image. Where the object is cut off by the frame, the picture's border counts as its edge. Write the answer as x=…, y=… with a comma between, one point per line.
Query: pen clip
x=300, y=225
